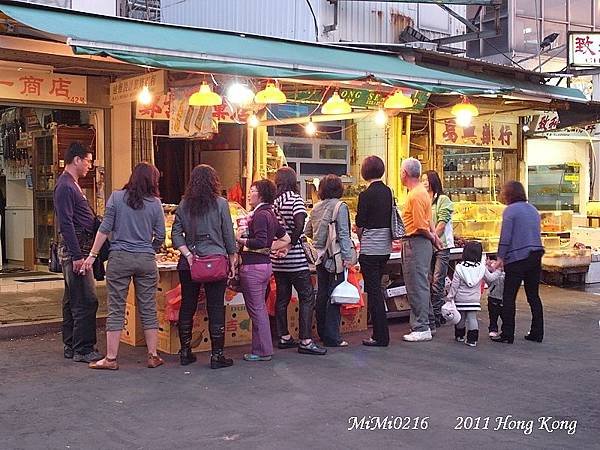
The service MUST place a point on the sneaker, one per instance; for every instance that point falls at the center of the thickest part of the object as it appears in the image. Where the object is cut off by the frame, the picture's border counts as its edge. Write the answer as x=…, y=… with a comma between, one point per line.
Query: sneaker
x=287, y=343
x=253, y=357
x=311, y=349
x=459, y=339
x=417, y=336
x=432, y=331
x=68, y=352
x=88, y=357
x=471, y=344
x=493, y=334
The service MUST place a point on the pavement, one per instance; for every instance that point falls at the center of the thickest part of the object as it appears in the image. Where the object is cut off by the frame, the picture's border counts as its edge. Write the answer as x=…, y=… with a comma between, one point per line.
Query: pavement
x=521, y=396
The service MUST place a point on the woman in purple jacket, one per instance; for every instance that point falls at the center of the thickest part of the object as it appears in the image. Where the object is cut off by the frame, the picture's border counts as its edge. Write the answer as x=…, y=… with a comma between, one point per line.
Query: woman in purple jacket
x=520, y=252
x=255, y=272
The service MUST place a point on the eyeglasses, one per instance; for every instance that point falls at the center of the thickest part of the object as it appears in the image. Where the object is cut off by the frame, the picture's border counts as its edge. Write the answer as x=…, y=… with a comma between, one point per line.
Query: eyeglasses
x=90, y=161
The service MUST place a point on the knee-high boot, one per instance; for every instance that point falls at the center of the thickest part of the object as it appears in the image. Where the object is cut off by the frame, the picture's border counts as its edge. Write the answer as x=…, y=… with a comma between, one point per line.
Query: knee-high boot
x=185, y=338
x=217, y=342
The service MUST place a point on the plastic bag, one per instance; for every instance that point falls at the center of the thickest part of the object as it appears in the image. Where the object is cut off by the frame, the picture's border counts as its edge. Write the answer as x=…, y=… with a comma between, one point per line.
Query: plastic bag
x=271, y=296
x=450, y=313
x=345, y=292
x=351, y=309
x=173, y=298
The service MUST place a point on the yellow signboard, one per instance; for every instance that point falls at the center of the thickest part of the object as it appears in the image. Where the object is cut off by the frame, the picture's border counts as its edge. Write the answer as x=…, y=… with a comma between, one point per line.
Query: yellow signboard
x=127, y=89
x=480, y=133
x=43, y=87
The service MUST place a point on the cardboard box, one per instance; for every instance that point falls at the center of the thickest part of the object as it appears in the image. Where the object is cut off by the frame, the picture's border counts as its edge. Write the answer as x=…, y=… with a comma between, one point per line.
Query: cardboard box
x=133, y=332
x=168, y=279
x=357, y=322
x=238, y=330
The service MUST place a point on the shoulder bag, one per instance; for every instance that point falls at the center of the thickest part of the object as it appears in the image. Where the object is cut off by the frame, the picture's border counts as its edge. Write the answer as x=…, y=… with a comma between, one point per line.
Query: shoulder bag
x=310, y=252
x=210, y=268
x=332, y=258
x=396, y=225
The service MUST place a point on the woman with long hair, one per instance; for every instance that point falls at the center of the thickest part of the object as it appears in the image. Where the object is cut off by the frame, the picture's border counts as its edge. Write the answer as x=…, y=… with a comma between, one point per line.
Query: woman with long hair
x=203, y=227
x=136, y=222
x=328, y=314
x=292, y=270
x=520, y=252
x=441, y=214
x=257, y=241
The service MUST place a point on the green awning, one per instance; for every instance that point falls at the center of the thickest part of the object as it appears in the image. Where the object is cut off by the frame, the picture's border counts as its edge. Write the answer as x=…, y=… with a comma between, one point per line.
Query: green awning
x=205, y=50
x=525, y=87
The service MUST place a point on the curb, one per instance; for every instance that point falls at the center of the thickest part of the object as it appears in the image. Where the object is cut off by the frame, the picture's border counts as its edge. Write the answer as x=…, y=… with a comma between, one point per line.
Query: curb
x=25, y=329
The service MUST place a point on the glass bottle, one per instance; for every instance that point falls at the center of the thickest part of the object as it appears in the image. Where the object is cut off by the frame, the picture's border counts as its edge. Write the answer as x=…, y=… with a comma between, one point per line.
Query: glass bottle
x=460, y=165
x=498, y=165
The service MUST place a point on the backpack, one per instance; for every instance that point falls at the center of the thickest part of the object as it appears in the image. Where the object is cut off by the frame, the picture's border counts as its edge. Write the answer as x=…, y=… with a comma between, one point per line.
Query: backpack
x=332, y=258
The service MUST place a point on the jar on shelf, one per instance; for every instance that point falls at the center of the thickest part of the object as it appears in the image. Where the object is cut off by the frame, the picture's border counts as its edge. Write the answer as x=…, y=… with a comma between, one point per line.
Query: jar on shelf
x=485, y=180
x=472, y=196
x=467, y=164
x=452, y=166
x=460, y=166
x=498, y=163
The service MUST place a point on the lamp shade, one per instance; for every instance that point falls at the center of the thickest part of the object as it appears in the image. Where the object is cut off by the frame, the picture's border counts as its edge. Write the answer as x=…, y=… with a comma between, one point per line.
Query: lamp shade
x=270, y=94
x=205, y=97
x=398, y=101
x=336, y=105
x=464, y=108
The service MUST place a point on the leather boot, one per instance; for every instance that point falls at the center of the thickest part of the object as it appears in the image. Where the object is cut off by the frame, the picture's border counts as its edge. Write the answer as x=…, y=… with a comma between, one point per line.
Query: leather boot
x=472, y=338
x=459, y=334
x=217, y=358
x=185, y=338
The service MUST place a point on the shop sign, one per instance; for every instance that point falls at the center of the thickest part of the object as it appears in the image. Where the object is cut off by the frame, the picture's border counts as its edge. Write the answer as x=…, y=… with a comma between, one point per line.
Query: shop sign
x=576, y=134
x=189, y=121
x=357, y=98
x=584, y=49
x=159, y=109
x=481, y=133
x=127, y=89
x=43, y=87
x=545, y=122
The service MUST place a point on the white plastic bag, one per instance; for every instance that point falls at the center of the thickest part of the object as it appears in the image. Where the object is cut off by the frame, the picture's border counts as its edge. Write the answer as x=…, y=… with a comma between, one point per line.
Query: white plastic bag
x=450, y=313
x=345, y=293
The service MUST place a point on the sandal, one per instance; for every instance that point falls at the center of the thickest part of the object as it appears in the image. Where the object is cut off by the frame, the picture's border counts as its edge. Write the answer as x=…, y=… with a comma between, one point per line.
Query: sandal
x=343, y=344
x=105, y=364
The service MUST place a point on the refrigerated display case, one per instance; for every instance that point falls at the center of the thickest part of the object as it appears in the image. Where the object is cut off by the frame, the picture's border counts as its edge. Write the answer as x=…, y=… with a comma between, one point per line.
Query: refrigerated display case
x=554, y=187
x=478, y=221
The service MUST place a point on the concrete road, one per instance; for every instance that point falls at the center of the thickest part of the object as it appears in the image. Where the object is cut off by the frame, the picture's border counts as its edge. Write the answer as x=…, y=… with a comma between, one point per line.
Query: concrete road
x=520, y=396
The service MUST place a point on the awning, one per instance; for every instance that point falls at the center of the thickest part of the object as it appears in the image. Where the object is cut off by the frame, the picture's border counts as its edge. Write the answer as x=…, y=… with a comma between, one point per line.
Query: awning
x=205, y=50
x=525, y=87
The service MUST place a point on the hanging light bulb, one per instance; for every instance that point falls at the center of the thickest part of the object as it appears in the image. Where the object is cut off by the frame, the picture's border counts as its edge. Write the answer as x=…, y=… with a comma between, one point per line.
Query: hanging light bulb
x=270, y=94
x=310, y=128
x=380, y=118
x=205, y=97
x=240, y=94
x=464, y=112
x=145, y=96
x=398, y=101
x=253, y=121
x=336, y=105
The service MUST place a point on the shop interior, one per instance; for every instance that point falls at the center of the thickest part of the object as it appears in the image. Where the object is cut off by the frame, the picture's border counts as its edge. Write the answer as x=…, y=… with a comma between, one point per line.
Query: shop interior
x=33, y=141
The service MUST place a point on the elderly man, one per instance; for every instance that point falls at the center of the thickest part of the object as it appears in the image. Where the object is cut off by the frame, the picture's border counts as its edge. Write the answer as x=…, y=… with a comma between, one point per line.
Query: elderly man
x=417, y=250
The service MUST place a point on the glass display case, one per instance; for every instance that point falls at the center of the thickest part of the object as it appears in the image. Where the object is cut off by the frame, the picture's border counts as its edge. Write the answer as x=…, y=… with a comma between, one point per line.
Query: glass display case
x=478, y=221
x=472, y=173
x=554, y=187
x=556, y=221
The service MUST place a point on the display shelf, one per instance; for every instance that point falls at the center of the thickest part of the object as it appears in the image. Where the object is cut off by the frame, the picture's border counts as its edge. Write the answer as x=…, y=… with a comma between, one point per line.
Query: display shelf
x=455, y=155
x=466, y=172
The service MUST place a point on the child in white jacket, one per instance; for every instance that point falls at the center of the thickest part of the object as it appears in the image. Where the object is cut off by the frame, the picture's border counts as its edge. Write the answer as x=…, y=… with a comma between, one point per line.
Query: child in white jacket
x=466, y=290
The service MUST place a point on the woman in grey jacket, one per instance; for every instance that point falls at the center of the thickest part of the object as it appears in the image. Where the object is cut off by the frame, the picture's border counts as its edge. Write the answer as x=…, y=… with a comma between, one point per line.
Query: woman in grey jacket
x=328, y=314
x=203, y=227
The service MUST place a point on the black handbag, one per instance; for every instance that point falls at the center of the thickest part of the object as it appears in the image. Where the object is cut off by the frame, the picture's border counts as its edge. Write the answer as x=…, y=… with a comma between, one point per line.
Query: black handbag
x=54, y=264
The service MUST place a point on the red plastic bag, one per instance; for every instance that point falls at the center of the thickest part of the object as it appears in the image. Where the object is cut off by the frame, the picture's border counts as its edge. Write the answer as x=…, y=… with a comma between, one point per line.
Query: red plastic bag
x=271, y=296
x=350, y=310
x=173, y=298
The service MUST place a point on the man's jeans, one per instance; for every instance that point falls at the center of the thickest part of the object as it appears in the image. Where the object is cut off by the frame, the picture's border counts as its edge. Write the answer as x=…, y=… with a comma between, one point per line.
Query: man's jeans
x=416, y=263
x=80, y=305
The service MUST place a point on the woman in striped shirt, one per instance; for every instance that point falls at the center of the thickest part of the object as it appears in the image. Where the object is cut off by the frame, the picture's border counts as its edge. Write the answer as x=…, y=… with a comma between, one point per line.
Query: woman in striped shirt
x=292, y=270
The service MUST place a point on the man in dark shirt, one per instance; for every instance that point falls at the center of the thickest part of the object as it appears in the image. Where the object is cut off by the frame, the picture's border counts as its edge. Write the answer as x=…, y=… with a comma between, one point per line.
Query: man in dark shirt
x=76, y=234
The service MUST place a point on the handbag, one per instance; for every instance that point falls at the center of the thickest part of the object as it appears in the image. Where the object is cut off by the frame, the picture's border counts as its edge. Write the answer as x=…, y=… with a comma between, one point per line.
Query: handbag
x=396, y=225
x=208, y=269
x=54, y=264
x=309, y=250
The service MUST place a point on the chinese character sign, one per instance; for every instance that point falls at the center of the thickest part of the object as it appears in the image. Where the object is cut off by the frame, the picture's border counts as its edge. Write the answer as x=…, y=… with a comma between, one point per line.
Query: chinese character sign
x=43, y=87
x=584, y=49
x=127, y=89
x=159, y=109
x=479, y=134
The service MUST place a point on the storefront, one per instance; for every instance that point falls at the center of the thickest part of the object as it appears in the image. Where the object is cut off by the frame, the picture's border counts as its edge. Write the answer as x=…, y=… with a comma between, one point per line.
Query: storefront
x=41, y=113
